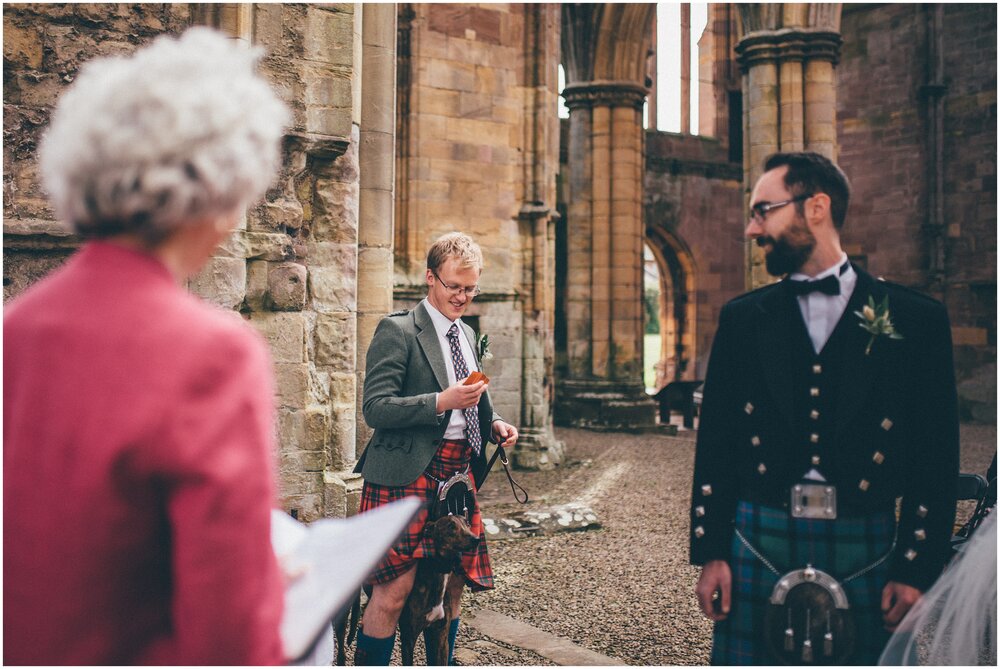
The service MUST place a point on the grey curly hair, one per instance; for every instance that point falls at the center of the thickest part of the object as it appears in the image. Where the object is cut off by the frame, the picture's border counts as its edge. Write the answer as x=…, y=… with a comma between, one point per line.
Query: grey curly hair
x=182, y=130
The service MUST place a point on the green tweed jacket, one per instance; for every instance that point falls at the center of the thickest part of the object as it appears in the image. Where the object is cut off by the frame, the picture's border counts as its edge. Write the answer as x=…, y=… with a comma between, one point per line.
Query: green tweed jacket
x=404, y=370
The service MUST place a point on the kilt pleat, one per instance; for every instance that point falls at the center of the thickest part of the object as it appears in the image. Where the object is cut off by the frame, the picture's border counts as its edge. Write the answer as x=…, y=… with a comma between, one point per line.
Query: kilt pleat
x=839, y=547
x=451, y=457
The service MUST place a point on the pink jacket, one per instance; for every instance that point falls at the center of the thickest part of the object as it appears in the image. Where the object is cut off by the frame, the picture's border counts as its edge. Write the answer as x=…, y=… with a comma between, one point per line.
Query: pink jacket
x=138, y=473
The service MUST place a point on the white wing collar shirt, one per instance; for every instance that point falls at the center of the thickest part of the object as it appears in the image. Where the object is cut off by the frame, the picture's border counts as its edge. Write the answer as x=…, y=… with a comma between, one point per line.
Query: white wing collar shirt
x=456, y=425
x=822, y=312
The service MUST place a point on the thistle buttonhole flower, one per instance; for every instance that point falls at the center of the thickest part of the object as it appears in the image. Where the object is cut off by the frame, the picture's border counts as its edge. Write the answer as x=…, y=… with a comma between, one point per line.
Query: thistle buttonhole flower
x=877, y=321
x=483, y=344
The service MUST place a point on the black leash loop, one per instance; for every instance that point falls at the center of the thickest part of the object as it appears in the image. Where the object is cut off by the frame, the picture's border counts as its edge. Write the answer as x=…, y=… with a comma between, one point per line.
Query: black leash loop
x=506, y=469
x=499, y=453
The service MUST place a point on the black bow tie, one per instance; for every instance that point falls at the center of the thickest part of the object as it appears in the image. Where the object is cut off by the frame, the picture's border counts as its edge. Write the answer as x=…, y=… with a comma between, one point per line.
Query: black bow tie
x=829, y=285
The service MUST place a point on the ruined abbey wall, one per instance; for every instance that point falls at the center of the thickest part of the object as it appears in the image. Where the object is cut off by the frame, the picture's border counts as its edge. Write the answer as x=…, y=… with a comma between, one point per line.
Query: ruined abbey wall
x=917, y=119
x=292, y=268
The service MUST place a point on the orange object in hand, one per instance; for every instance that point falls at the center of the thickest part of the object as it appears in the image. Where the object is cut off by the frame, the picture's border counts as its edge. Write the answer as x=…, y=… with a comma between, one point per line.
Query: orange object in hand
x=476, y=377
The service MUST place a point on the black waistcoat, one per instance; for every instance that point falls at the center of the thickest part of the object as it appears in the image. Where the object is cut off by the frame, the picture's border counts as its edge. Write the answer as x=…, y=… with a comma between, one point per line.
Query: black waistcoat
x=816, y=382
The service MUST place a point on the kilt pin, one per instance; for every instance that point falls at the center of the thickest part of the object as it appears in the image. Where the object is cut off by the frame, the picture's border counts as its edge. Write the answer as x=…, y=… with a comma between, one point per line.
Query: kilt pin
x=414, y=544
x=878, y=425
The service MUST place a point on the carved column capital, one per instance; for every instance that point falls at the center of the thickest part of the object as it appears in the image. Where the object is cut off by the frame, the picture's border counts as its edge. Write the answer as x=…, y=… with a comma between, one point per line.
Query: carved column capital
x=788, y=44
x=605, y=94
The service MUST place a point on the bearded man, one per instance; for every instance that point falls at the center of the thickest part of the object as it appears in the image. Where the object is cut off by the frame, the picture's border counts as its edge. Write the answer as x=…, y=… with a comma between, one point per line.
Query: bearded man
x=829, y=395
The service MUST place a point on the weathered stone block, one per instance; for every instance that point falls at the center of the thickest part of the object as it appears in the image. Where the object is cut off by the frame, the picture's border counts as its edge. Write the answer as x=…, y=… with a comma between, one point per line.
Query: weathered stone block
x=22, y=46
x=332, y=121
x=343, y=389
x=302, y=461
x=332, y=283
x=343, y=438
x=305, y=506
x=292, y=385
x=283, y=214
x=262, y=245
x=334, y=341
x=342, y=492
x=257, y=271
x=286, y=287
x=285, y=333
x=329, y=36
x=34, y=89
x=325, y=86
x=336, y=211
x=222, y=281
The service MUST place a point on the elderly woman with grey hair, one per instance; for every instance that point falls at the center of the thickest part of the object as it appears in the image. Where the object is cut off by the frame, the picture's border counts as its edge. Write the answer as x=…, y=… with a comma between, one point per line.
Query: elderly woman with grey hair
x=138, y=420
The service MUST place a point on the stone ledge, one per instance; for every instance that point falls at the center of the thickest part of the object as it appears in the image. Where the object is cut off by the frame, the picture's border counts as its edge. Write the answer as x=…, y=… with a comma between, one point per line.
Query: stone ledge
x=563, y=518
x=522, y=635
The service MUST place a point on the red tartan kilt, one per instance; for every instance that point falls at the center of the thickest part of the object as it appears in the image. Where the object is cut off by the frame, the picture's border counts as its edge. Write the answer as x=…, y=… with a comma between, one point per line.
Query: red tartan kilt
x=451, y=457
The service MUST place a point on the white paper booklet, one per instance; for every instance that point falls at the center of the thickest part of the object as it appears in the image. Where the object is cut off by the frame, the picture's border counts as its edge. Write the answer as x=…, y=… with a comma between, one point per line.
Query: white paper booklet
x=328, y=560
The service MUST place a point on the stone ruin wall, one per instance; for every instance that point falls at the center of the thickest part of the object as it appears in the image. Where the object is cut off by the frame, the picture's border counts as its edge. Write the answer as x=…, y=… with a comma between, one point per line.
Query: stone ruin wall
x=951, y=255
x=292, y=268
x=477, y=153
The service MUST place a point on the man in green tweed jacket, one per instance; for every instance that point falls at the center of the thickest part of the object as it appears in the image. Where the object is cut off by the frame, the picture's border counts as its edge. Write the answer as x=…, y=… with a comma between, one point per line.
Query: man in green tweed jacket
x=429, y=425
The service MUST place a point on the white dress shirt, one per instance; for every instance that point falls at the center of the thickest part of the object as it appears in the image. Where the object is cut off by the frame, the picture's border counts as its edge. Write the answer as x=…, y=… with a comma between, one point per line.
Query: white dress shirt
x=456, y=425
x=822, y=312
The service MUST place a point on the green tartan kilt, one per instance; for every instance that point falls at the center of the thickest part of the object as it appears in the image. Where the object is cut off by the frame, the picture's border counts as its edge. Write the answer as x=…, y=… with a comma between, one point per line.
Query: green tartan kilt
x=839, y=547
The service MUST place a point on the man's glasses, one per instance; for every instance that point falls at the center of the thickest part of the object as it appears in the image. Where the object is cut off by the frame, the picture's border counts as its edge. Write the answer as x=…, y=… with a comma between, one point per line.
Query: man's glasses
x=472, y=291
x=760, y=210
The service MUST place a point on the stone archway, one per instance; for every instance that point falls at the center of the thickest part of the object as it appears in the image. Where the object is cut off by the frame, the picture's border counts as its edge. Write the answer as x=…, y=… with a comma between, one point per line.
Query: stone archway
x=678, y=306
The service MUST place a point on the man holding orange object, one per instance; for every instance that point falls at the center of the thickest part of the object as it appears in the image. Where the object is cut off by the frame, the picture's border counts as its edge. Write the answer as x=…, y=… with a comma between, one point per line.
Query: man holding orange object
x=429, y=425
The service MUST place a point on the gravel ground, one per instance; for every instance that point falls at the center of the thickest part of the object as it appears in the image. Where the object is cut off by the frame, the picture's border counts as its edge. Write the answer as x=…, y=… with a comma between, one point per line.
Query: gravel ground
x=626, y=589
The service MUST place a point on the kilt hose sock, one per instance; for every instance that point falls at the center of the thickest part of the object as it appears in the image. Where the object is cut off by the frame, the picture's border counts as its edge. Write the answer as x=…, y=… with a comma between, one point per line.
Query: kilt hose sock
x=373, y=652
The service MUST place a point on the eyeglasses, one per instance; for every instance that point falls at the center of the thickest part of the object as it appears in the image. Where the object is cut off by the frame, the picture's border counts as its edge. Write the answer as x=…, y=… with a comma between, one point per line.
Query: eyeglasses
x=760, y=210
x=472, y=291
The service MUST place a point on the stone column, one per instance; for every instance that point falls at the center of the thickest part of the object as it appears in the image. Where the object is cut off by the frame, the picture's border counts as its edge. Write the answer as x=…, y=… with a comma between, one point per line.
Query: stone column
x=376, y=158
x=538, y=448
x=790, y=103
x=604, y=301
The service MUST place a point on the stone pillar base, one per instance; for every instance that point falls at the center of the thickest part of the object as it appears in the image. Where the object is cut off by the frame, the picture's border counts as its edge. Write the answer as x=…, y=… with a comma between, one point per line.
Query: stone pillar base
x=342, y=493
x=538, y=448
x=603, y=405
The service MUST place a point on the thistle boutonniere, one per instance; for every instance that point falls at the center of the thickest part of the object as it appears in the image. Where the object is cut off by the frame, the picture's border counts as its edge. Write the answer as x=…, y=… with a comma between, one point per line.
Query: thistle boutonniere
x=483, y=344
x=876, y=320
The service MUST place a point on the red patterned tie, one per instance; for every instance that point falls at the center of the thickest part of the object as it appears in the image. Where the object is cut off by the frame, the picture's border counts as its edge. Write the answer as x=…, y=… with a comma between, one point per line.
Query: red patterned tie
x=462, y=371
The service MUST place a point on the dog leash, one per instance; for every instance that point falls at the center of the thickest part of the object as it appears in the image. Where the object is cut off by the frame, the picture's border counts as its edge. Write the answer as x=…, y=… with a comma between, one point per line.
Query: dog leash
x=499, y=453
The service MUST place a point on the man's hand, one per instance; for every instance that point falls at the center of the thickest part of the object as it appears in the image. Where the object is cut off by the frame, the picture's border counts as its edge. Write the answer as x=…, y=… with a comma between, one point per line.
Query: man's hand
x=505, y=431
x=897, y=599
x=716, y=577
x=460, y=396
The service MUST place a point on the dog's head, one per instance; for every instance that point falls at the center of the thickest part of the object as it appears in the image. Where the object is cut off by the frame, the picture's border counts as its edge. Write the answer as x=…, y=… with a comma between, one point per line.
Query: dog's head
x=452, y=535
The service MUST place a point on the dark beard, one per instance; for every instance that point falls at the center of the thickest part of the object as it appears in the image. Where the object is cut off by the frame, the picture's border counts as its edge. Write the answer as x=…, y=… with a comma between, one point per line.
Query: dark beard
x=789, y=251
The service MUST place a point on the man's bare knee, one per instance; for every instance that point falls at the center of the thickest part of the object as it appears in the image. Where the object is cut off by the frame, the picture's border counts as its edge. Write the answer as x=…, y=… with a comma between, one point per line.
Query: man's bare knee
x=386, y=603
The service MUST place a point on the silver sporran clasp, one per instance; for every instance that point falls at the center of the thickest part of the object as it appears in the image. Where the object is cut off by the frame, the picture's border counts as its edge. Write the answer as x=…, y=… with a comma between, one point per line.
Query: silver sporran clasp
x=814, y=500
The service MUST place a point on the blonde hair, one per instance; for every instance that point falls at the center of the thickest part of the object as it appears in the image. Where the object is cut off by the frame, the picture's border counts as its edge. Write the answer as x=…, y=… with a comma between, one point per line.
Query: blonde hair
x=457, y=245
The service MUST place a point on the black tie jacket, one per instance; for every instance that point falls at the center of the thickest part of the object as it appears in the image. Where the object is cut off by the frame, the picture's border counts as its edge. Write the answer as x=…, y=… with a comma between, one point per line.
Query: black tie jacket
x=878, y=426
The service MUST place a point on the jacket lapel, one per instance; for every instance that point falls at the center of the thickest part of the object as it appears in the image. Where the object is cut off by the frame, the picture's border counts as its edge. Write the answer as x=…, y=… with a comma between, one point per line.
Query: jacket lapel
x=428, y=339
x=778, y=325
x=855, y=368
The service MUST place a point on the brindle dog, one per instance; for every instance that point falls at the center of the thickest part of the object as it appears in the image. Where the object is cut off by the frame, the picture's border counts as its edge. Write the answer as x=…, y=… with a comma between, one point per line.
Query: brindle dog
x=426, y=608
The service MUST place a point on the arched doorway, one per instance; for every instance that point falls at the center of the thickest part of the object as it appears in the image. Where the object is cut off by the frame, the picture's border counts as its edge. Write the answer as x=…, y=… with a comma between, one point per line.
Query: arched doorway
x=676, y=307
